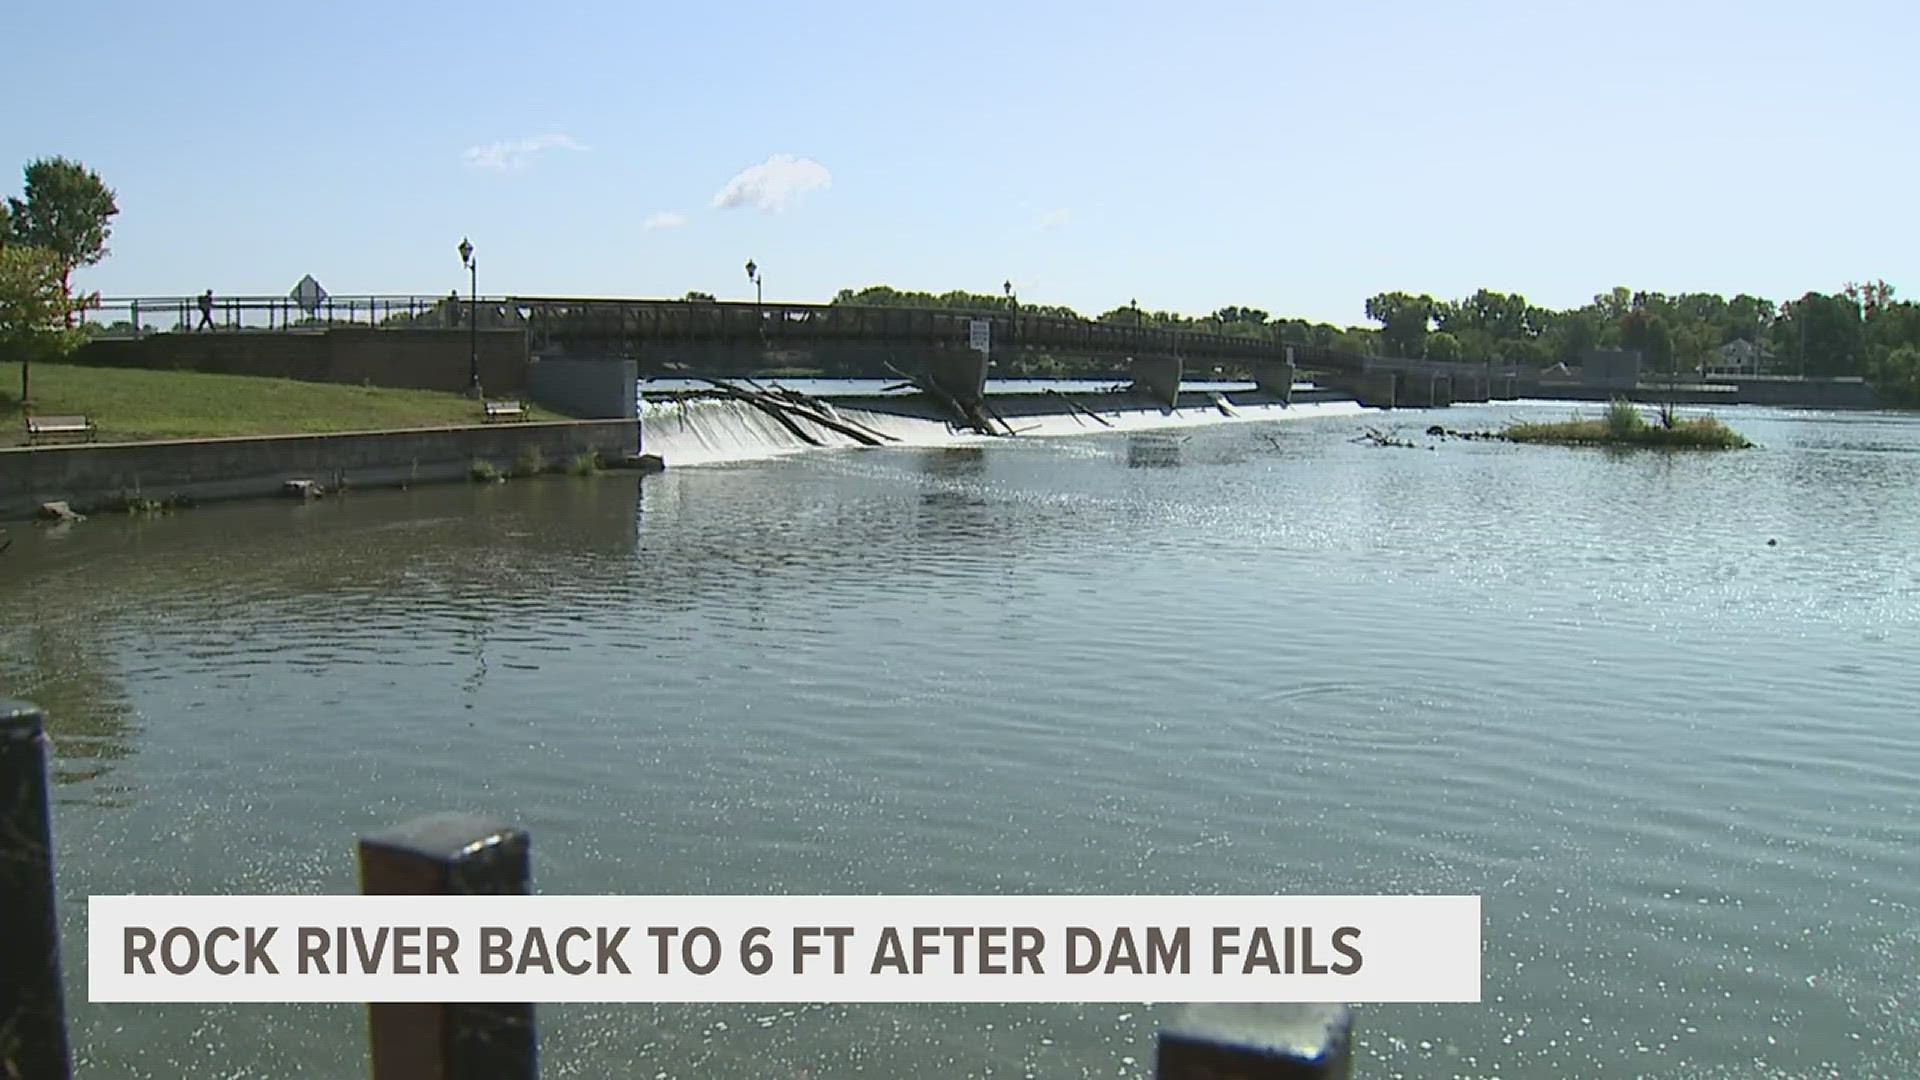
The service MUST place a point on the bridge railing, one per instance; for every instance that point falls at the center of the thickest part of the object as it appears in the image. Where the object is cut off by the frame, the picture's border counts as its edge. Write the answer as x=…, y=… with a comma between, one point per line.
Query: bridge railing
x=137, y=316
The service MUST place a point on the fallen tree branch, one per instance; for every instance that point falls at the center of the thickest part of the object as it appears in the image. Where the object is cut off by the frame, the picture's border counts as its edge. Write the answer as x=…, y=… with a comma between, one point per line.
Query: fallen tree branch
x=785, y=411
x=1080, y=408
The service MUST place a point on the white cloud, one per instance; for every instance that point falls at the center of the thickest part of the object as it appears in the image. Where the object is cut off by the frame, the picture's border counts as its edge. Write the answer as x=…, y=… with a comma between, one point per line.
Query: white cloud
x=772, y=184
x=663, y=219
x=514, y=153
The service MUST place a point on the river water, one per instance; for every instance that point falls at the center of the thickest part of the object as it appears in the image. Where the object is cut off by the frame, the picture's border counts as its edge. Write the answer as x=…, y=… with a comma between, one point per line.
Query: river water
x=1659, y=710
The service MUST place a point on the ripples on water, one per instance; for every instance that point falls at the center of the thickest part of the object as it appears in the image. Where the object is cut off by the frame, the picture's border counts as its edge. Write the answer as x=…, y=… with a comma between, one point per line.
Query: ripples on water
x=1677, y=762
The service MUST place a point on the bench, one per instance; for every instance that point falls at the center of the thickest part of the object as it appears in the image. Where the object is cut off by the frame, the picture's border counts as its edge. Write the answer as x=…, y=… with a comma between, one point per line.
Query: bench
x=504, y=410
x=43, y=427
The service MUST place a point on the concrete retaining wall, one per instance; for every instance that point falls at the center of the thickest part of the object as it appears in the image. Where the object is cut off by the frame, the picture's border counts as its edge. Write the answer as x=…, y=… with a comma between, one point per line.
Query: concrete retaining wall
x=596, y=389
x=93, y=475
x=408, y=359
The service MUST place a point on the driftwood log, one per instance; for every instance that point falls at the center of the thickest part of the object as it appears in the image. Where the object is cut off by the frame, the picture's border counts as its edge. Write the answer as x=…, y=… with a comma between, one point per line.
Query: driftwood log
x=1082, y=409
x=785, y=410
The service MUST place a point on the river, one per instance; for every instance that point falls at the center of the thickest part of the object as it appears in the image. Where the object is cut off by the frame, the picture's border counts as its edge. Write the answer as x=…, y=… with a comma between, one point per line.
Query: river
x=1659, y=710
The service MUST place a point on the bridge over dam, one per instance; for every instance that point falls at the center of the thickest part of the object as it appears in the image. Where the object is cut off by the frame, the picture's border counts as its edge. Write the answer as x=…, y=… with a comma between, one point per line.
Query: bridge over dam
x=433, y=342
x=953, y=349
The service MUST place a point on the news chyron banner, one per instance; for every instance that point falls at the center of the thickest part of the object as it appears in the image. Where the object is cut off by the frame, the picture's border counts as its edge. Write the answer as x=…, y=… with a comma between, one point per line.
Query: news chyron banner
x=784, y=948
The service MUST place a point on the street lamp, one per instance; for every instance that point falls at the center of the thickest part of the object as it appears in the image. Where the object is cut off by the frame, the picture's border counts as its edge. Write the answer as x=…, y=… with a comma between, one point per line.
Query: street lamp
x=753, y=275
x=1013, y=321
x=473, y=316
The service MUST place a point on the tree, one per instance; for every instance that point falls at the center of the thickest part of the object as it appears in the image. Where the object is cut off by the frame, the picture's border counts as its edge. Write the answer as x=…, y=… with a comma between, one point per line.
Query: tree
x=1870, y=297
x=1403, y=321
x=1442, y=346
x=1573, y=335
x=1897, y=376
x=35, y=309
x=1646, y=331
x=1232, y=315
x=1824, y=334
x=68, y=210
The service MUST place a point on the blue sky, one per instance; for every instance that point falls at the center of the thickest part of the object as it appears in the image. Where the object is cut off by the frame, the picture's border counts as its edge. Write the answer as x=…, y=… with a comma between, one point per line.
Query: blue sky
x=1293, y=158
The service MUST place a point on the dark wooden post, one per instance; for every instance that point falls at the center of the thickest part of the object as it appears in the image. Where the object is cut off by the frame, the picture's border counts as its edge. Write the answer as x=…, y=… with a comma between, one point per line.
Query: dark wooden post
x=449, y=855
x=1258, y=1042
x=33, y=1024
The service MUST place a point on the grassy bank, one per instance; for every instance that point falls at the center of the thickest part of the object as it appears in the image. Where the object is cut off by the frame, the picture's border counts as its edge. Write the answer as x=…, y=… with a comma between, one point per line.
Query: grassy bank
x=1624, y=426
x=136, y=404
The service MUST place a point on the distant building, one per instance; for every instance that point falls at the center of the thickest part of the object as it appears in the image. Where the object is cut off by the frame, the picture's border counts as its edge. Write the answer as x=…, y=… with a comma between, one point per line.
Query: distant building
x=1740, y=357
x=1615, y=368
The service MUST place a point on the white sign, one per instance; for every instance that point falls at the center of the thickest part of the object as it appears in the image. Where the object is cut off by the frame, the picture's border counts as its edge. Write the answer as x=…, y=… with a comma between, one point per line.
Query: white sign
x=784, y=948
x=308, y=294
x=979, y=333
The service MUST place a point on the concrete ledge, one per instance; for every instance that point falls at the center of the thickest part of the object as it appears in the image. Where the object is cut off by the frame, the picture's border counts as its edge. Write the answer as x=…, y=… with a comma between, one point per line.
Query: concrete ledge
x=94, y=475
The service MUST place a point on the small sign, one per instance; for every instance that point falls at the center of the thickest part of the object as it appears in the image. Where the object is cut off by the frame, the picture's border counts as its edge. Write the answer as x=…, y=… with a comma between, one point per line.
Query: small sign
x=308, y=294
x=979, y=334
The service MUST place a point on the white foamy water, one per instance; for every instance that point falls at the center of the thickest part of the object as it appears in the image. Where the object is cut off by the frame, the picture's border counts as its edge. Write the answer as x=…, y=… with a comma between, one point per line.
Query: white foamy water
x=713, y=431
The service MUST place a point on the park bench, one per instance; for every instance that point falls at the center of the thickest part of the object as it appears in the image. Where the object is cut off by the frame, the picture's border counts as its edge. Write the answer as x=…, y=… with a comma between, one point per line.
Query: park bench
x=45, y=427
x=505, y=410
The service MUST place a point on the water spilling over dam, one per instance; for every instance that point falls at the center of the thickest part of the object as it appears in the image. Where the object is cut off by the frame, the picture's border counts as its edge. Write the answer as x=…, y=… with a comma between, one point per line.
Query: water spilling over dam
x=691, y=430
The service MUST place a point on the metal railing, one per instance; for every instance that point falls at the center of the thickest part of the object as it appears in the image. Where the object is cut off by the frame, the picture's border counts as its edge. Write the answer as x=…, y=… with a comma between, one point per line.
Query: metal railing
x=137, y=316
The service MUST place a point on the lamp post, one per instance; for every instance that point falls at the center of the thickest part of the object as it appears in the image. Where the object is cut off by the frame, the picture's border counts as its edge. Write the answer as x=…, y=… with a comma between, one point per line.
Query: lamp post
x=1013, y=323
x=759, y=307
x=473, y=316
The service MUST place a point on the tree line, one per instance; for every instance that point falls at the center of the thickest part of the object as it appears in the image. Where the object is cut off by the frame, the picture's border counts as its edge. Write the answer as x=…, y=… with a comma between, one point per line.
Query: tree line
x=1859, y=330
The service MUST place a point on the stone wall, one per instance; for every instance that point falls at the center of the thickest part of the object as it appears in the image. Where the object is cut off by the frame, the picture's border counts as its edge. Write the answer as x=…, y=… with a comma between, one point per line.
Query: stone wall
x=92, y=475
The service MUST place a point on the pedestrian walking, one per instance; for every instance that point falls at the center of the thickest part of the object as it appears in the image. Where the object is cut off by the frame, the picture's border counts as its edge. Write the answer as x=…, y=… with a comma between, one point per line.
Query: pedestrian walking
x=206, y=310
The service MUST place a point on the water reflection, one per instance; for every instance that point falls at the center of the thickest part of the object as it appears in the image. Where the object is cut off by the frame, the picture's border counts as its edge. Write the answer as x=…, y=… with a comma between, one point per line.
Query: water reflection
x=217, y=591
x=58, y=662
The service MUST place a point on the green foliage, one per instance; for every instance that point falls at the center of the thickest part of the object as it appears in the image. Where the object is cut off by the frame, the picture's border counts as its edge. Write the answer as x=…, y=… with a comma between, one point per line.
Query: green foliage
x=36, y=305
x=1854, y=332
x=587, y=464
x=1403, y=321
x=954, y=299
x=1821, y=334
x=1623, y=418
x=1701, y=433
x=67, y=210
x=1897, y=376
x=483, y=472
x=1648, y=332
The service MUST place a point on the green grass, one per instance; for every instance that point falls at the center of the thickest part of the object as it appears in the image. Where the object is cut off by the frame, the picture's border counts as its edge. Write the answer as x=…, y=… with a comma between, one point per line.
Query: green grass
x=131, y=404
x=1624, y=426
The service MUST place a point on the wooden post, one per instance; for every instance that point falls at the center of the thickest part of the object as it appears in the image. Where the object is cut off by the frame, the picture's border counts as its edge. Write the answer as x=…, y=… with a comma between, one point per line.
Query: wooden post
x=449, y=855
x=1257, y=1042
x=33, y=1026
